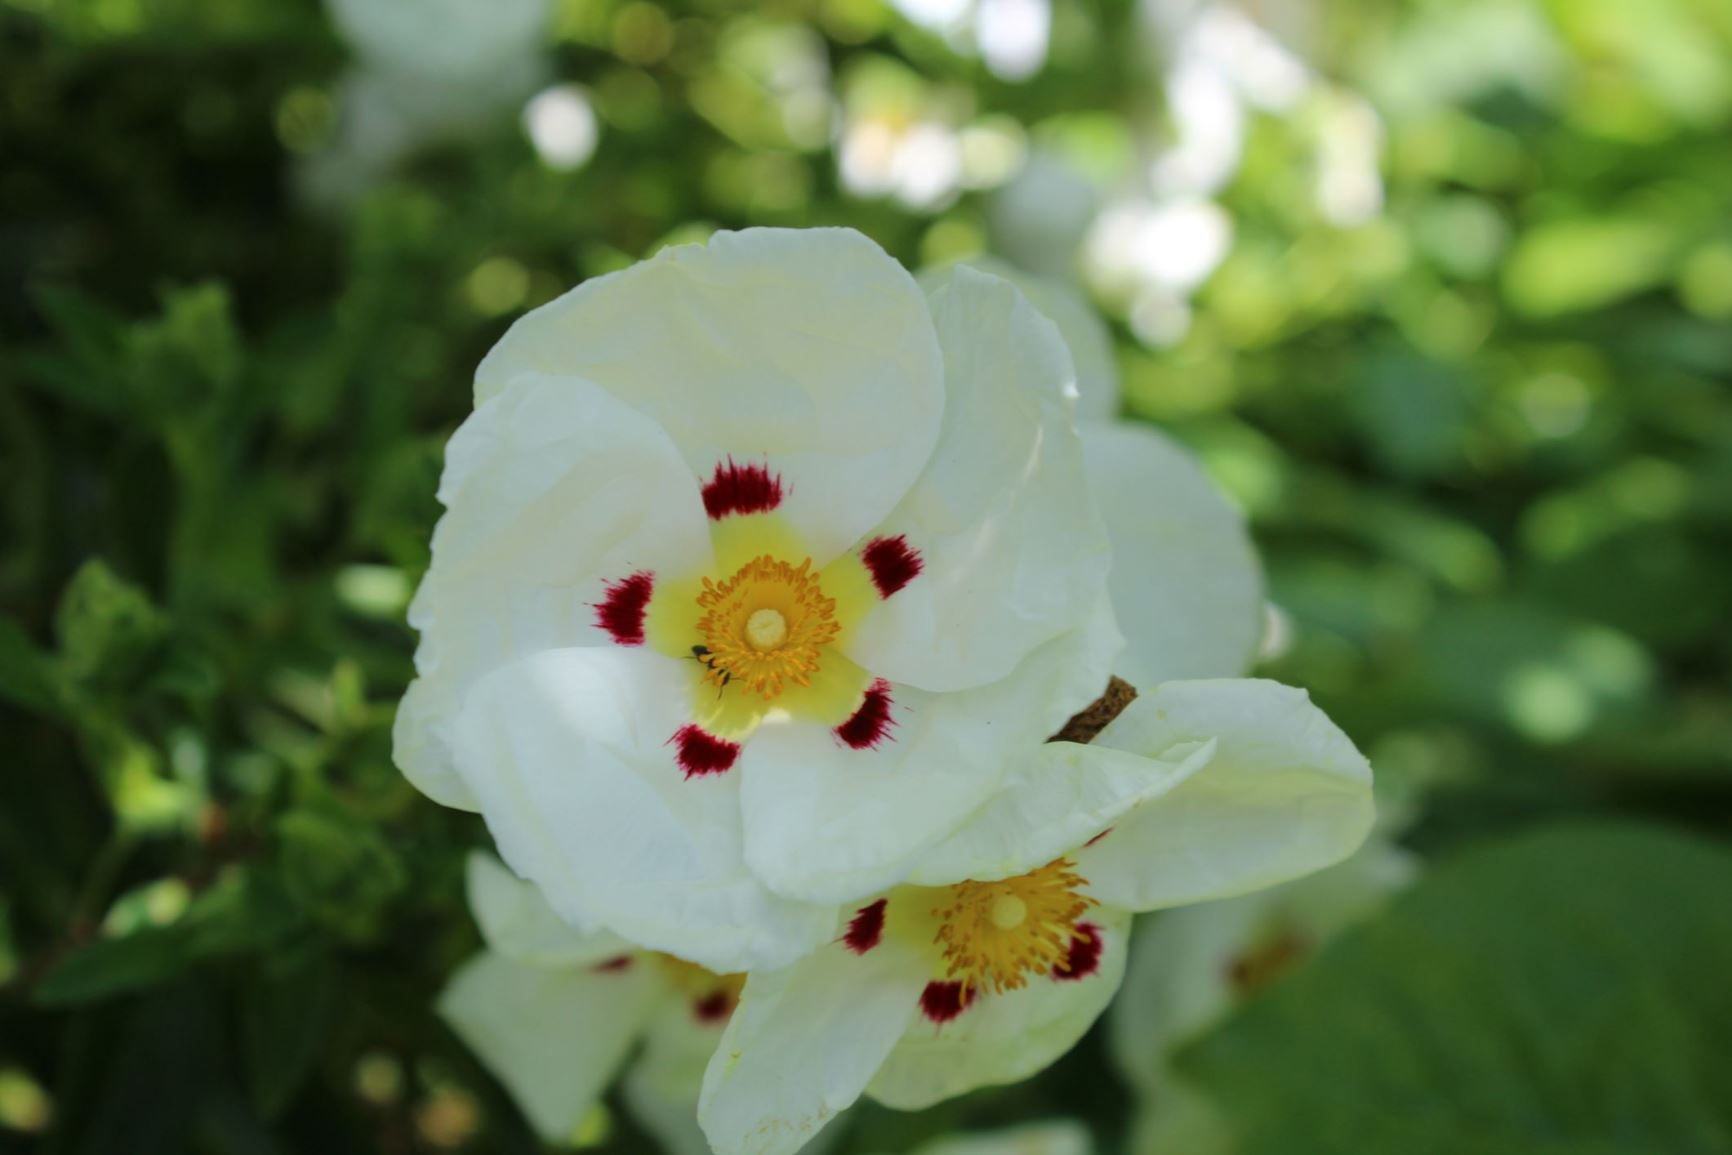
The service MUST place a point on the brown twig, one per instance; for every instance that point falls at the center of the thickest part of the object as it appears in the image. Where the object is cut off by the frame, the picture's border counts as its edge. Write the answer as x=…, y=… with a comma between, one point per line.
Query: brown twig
x=1086, y=723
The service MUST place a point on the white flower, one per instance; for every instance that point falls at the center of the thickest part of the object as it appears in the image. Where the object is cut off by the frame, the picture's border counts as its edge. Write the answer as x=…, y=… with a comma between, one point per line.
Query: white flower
x=1009, y=938
x=455, y=41
x=759, y=567
x=557, y=1014
x=1187, y=589
x=425, y=71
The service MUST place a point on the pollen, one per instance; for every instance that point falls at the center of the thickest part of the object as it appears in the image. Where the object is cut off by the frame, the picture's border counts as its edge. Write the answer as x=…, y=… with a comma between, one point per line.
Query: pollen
x=765, y=626
x=995, y=934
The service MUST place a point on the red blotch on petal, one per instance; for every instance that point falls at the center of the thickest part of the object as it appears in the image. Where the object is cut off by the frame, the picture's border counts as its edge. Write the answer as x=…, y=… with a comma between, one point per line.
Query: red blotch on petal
x=893, y=563
x=942, y=1002
x=621, y=613
x=871, y=723
x=1084, y=958
x=866, y=928
x=613, y=965
x=741, y=489
x=700, y=752
x=1099, y=836
x=713, y=1008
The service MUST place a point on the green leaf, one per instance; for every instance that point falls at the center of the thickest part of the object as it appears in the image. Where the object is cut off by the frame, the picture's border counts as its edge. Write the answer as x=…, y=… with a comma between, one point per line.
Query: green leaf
x=1563, y=993
x=285, y=1013
x=112, y=966
x=27, y=676
x=338, y=869
x=239, y=913
x=105, y=624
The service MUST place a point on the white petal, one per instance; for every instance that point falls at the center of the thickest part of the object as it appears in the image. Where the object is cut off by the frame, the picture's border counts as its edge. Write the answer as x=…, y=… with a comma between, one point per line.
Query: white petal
x=551, y=489
x=1003, y=1037
x=1285, y=794
x=1061, y=795
x=810, y=349
x=662, y=1086
x=1013, y=553
x=1186, y=585
x=672, y=1121
x=831, y=824
x=1179, y=980
x=554, y=1037
x=568, y=752
x=804, y=1042
x=516, y=921
x=1086, y=336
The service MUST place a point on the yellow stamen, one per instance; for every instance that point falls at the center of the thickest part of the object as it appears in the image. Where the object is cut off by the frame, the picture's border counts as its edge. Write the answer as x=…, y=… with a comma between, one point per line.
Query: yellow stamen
x=765, y=626
x=996, y=934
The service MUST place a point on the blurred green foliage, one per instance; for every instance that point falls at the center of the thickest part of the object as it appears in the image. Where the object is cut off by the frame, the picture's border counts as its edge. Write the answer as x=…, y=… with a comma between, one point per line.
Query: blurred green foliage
x=1484, y=435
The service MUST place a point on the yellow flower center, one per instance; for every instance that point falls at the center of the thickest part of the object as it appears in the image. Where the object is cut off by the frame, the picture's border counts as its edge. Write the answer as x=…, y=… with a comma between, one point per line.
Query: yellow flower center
x=996, y=934
x=765, y=626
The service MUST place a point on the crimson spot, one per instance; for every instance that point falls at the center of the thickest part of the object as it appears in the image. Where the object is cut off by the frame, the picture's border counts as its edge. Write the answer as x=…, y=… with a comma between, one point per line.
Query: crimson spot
x=942, y=1002
x=893, y=563
x=621, y=612
x=613, y=965
x=1084, y=957
x=871, y=723
x=739, y=488
x=713, y=1008
x=866, y=928
x=701, y=753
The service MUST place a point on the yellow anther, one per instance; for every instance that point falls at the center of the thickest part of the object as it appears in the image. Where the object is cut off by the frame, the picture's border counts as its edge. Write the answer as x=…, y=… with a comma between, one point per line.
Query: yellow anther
x=767, y=625
x=995, y=934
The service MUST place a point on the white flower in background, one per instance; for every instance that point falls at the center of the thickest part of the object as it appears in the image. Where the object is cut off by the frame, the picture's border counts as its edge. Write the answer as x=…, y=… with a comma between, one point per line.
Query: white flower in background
x=425, y=72
x=1060, y=1137
x=1040, y=216
x=562, y=126
x=1011, y=36
x=1160, y=235
x=1190, y=968
x=1008, y=939
x=1349, y=146
x=759, y=568
x=557, y=1015
x=900, y=137
x=449, y=40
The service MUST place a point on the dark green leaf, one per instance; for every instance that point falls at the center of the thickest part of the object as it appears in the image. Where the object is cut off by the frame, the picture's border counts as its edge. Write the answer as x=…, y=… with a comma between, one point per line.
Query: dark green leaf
x=105, y=624
x=27, y=677
x=1563, y=993
x=285, y=1014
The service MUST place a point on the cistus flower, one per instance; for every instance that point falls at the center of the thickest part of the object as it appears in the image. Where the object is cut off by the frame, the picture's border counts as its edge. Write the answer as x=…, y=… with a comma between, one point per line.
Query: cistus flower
x=1008, y=939
x=559, y=1016
x=759, y=569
